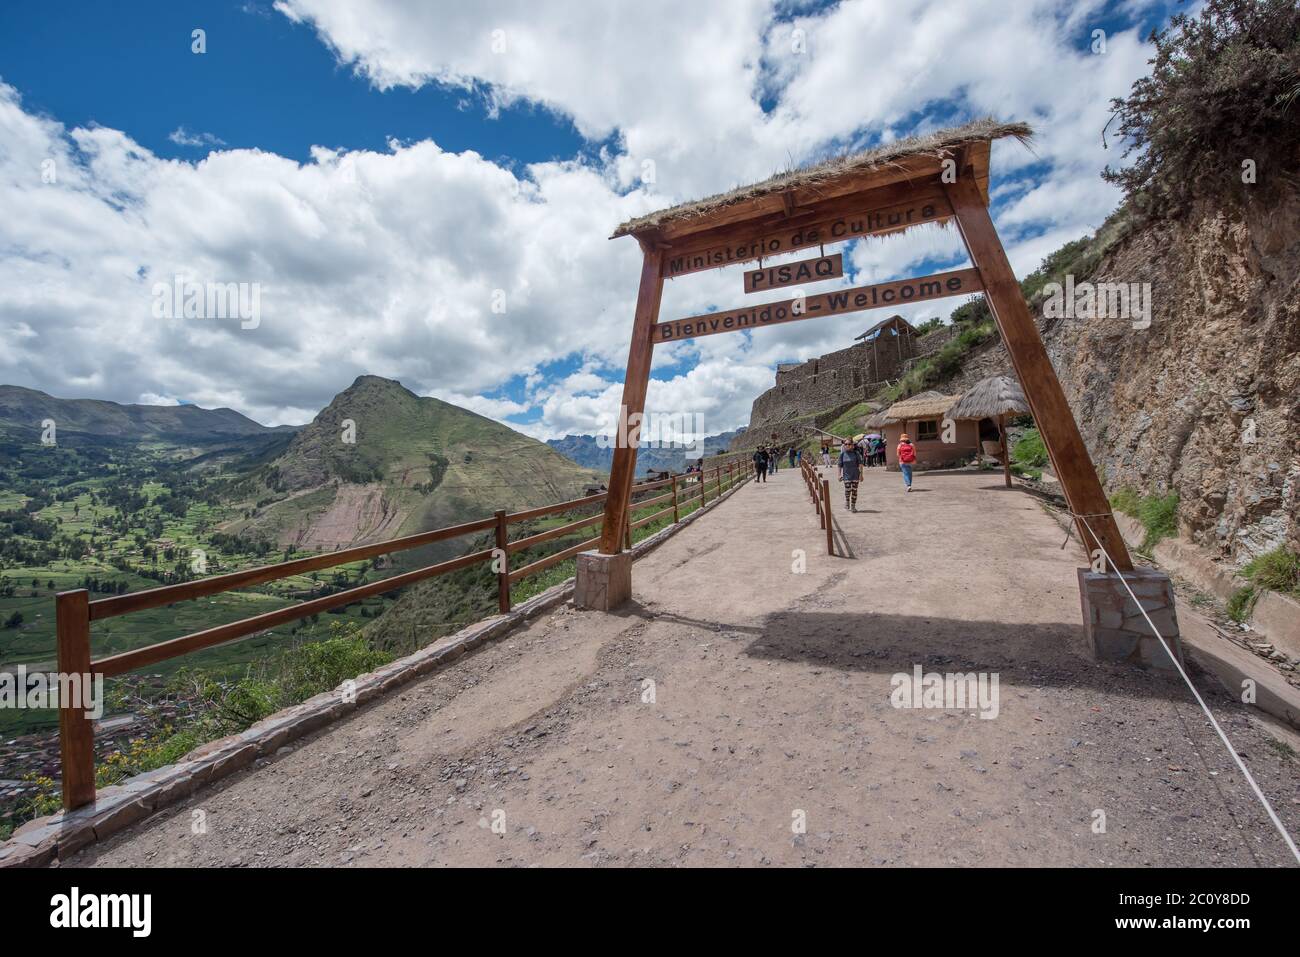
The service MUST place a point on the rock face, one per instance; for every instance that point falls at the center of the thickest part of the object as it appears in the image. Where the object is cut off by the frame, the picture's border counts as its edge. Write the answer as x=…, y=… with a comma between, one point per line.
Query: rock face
x=1206, y=401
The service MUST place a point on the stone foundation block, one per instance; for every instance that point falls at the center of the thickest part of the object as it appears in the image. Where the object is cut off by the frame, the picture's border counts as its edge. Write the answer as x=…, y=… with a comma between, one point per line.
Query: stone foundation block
x=1115, y=625
x=603, y=581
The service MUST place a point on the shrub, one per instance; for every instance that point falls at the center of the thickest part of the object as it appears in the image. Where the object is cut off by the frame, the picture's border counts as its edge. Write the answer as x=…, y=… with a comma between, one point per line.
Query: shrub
x=1222, y=89
x=1029, y=452
x=1278, y=570
x=1127, y=501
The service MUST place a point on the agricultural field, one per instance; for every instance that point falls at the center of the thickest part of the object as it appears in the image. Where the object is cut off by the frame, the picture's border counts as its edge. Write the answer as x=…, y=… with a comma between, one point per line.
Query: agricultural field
x=123, y=519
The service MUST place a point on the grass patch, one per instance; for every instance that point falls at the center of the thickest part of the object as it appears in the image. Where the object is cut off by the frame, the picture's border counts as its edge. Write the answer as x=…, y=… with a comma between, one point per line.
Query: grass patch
x=1029, y=455
x=1241, y=604
x=1157, y=513
x=943, y=365
x=1278, y=570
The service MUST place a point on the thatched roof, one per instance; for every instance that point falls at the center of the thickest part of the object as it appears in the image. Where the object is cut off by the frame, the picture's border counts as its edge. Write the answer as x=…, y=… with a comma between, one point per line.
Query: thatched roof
x=924, y=405
x=941, y=144
x=990, y=398
x=877, y=421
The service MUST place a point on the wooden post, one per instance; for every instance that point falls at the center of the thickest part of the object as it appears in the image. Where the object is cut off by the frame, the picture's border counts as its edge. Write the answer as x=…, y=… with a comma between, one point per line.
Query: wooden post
x=830, y=525
x=76, y=733
x=676, y=517
x=640, y=352
x=627, y=532
x=1033, y=367
x=503, y=575
x=1006, y=455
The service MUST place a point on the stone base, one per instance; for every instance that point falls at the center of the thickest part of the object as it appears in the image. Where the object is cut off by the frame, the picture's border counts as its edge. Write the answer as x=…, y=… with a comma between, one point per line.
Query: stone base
x=603, y=581
x=1117, y=629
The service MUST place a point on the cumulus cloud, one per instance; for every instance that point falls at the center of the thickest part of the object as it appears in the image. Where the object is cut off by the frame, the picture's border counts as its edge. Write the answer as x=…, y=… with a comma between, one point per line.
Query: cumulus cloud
x=459, y=275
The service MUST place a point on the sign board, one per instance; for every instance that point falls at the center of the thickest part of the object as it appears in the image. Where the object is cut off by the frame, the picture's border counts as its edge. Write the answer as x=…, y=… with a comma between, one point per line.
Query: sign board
x=793, y=274
x=789, y=237
x=960, y=282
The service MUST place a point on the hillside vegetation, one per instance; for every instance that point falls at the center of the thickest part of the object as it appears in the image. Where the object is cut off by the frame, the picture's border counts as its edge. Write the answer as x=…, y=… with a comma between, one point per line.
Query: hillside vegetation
x=380, y=462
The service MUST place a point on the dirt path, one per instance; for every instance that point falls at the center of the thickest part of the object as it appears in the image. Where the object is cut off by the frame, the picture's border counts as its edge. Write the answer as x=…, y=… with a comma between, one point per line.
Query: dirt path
x=771, y=704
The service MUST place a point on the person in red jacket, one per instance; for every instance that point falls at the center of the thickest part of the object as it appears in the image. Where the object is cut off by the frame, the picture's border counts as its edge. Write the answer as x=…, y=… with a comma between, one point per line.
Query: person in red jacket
x=906, y=452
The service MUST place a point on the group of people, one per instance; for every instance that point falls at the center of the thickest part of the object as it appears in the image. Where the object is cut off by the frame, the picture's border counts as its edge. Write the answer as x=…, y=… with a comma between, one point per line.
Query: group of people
x=767, y=458
x=854, y=457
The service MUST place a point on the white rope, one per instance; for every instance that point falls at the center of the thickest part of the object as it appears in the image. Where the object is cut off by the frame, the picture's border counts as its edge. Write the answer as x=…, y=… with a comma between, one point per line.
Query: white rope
x=1277, y=823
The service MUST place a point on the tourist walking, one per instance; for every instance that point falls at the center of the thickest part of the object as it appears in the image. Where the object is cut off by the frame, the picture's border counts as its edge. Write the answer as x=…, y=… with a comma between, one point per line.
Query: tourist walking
x=826, y=456
x=906, y=459
x=773, y=460
x=760, y=465
x=850, y=464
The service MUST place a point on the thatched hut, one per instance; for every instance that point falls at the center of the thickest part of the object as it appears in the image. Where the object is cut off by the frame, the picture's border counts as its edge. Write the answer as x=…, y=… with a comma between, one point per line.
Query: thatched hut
x=989, y=402
x=922, y=417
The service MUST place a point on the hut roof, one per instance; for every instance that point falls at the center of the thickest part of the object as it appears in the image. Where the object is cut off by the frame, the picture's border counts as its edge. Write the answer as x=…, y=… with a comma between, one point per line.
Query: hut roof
x=877, y=420
x=990, y=398
x=924, y=405
x=940, y=143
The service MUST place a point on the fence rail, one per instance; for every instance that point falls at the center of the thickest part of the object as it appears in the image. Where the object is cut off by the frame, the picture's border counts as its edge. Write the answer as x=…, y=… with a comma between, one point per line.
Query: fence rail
x=75, y=611
x=819, y=490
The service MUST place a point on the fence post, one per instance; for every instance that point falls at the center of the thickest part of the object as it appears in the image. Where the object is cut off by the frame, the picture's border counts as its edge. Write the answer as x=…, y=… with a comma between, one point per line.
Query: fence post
x=830, y=528
x=76, y=733
x=503, y=576
x=676, y=517
x=627, y=530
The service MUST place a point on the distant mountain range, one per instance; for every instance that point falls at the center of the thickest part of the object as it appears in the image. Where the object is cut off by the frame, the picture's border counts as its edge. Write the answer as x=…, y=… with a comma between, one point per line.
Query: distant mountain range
x=586, y=451
x=378, y=462
x=27, y=410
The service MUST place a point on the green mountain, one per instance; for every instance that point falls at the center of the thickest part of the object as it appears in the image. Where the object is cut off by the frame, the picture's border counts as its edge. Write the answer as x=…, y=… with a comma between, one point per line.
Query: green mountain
x=26, y=410
x=379, y=462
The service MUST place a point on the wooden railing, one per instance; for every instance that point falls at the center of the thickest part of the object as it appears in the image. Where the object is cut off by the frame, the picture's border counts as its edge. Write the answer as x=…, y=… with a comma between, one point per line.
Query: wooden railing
x=819, y=490
x=75, y=611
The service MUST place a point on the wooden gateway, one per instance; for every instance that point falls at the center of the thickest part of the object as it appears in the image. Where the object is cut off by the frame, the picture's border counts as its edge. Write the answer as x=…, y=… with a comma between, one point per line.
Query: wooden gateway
x=939, y=178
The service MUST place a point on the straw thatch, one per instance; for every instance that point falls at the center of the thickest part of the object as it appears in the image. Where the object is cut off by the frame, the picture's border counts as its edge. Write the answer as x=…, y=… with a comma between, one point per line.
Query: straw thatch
x=924, y=405
x=989, y=398
x=941, y=144
x=877, y=421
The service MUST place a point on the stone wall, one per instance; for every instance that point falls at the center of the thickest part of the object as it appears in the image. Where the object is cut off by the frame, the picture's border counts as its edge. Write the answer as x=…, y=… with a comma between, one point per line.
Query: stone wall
x=817, y=391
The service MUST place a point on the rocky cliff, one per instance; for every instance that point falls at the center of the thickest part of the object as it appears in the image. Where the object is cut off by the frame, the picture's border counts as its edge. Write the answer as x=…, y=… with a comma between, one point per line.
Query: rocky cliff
x=1204, y=402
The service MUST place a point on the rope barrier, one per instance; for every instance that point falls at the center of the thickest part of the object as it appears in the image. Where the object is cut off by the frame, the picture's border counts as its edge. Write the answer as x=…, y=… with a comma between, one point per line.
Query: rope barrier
x=1277, y=823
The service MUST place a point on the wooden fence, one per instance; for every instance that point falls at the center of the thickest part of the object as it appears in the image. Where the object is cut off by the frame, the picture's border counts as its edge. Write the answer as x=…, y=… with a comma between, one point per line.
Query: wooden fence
x=819, y=489
x=75, y=611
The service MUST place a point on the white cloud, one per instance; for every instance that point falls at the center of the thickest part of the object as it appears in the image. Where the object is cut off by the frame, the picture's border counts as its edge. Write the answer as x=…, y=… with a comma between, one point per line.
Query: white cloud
x=153, y=398
x=183, y=137
x=392, y=262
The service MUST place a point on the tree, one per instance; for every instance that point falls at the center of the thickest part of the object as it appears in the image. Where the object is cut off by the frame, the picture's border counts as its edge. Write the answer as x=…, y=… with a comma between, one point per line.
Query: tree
x=1218, y=117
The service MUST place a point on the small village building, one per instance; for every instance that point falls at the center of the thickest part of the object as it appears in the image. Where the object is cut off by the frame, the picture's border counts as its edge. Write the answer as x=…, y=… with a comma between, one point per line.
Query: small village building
x=990, y=402
x=922, y=418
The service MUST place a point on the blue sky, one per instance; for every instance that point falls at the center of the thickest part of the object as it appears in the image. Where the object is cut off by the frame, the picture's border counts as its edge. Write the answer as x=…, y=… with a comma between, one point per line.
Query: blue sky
x=383, y=167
